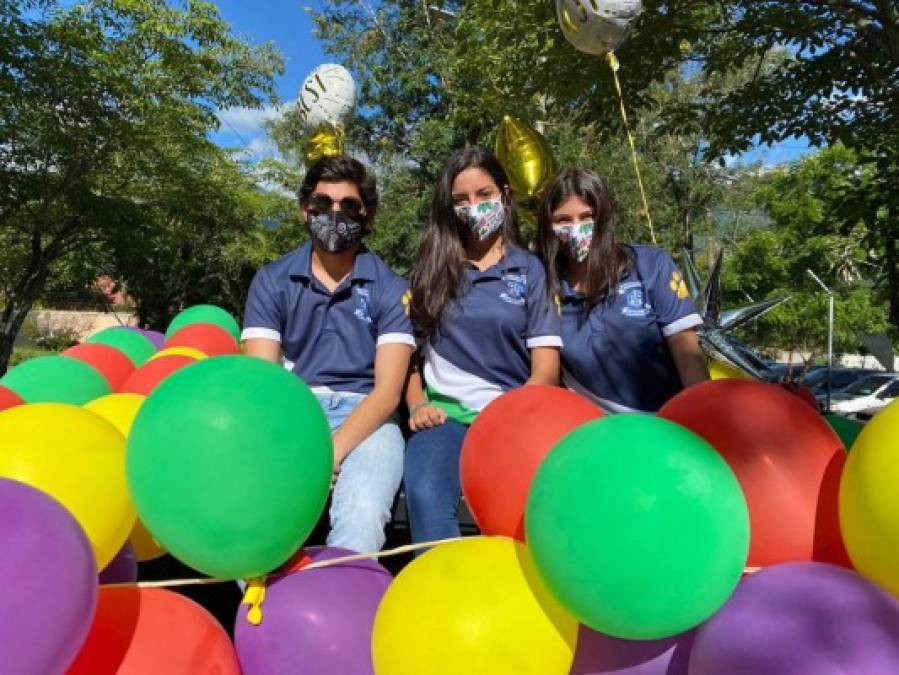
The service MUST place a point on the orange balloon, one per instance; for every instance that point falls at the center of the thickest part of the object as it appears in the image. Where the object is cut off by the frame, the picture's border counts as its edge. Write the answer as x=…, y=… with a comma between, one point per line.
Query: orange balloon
x=788, y=461
x=206, y=337
x=146, y=378
x=148, y=631
x=506, y=444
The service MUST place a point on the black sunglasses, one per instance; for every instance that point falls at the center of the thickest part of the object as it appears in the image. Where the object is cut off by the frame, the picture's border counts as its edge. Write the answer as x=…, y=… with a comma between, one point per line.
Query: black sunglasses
x=348, y=206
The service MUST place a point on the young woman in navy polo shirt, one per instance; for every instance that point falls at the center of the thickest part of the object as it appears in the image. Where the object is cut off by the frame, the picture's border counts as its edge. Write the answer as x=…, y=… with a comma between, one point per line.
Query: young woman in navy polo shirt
x=336, y=315
x=482, y=315
x=628, y=323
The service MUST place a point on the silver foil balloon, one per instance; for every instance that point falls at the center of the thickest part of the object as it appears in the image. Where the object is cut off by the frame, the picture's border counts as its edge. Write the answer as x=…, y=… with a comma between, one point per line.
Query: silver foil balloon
x=714, y=334
x=597, y=26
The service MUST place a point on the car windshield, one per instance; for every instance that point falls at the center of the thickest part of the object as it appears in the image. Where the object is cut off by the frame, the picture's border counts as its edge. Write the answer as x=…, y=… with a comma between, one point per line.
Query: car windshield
x=868, y=385
x=892, y=391
x=819, y=377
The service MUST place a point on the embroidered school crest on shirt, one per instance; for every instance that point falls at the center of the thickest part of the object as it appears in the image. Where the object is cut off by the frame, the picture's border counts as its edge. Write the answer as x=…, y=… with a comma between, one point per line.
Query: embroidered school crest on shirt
x=363, y=305
x=678, y=285
x=635, y=304
x=516, y=288
x=407, y=298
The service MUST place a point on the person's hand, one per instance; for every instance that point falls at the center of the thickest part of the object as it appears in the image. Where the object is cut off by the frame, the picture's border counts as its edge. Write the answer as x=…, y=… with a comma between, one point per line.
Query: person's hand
x=426, y=416
x=339, y=456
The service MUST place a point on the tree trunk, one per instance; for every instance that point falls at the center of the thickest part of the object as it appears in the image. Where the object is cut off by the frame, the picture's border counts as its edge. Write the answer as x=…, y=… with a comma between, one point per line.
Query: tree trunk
x=11, y=321
x=19, y=302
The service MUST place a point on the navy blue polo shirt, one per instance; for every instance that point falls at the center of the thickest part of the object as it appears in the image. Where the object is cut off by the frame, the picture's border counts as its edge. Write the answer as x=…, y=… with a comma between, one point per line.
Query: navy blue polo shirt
x=617, y=355
x=329, y=339
x=482, y=348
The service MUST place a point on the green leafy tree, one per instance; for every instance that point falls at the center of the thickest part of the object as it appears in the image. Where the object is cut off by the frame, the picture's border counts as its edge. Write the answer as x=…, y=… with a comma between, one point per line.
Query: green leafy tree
x=97, y=100
x=813, y=227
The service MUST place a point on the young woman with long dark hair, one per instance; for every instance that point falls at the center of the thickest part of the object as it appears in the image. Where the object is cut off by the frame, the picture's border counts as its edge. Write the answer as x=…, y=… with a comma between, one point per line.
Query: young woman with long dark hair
x=481, y=312
x=628, y=323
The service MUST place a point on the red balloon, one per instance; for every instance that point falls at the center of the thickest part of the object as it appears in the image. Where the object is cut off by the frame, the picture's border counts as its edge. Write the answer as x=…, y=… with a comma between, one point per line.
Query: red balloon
x=800, y=390
x=505, y=446
x=788, y=461
x=9, y=398
x=208, y=338
x=111, y=363
x=146, y=631
x=146, y=378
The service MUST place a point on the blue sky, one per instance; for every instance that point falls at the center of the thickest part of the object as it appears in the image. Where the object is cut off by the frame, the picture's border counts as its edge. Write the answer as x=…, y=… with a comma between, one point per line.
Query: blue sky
x=287, y=24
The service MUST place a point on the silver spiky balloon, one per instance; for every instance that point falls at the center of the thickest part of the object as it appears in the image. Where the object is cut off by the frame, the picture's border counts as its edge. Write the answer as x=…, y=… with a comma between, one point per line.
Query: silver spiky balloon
x=714, y=334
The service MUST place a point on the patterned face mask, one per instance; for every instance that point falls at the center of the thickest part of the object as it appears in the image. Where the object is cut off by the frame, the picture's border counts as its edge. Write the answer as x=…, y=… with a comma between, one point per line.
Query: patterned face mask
x=577, y=237
x=484, y=218
x=335, y=232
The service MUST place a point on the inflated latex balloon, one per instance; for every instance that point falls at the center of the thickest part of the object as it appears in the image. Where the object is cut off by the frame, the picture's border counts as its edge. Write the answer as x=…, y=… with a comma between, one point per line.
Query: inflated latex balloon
x=56, y=379
x=135, y=345
x=204, y=314
x=719, y=370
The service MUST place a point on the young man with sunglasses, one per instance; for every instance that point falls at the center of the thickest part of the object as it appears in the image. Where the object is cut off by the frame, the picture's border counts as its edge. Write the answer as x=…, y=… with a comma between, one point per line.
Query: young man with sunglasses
x=336, y=315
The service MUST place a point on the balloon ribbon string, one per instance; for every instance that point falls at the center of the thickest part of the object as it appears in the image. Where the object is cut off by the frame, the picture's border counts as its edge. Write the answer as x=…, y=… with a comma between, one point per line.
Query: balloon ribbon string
x=612, y=60
x=409, y=548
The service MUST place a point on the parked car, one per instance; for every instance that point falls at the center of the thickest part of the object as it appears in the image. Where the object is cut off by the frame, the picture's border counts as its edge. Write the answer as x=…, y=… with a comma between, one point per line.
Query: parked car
x=871, y=392
x=790, y=372
x=840, y=379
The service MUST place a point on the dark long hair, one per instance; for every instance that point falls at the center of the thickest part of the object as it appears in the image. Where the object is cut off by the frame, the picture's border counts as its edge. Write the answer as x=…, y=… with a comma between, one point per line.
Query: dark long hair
x=437, y=273
x=607, y=260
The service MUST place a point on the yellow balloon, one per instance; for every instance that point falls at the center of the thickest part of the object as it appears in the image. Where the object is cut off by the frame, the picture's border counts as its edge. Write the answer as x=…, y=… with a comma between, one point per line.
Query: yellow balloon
x=474, y=606
x=76, y=457
x=144, y=545
x=179, y=351
x=120, y=410
x=719, y=370
x=117, y=409
x=526, y=157
x=869, y=500
x=326, y=142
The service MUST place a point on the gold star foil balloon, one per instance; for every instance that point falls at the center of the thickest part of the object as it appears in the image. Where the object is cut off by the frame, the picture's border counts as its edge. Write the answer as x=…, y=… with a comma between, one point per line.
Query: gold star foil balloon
x=326, y=142
x=597, y=26
x=527, y=159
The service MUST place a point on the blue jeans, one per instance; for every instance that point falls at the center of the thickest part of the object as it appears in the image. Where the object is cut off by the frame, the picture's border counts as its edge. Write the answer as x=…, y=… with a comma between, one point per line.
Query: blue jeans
x=431, y=477
x=369, y=478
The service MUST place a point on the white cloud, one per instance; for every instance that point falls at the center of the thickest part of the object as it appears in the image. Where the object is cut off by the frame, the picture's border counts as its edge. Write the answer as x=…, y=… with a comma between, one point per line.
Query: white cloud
x=249, y=121
x=259, y=147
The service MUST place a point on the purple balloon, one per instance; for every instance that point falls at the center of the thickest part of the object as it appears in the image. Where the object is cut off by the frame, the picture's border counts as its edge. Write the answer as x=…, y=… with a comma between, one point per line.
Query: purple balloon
x=49, y=582
x=799, y=619
x=122, y=569
x=153, y=336
x=317, y=621
x=599, y=654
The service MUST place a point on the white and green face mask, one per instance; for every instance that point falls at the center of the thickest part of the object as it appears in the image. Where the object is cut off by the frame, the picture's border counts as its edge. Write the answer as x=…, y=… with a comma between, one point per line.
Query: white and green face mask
x=483, y=218
x=577, y=237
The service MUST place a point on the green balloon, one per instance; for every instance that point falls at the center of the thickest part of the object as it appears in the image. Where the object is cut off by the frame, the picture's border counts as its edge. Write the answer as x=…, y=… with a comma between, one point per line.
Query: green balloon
x=637, y=526
x=229, y=464
x=848, y=430
x=131, y=343
x=56, y=379
x=205, y=314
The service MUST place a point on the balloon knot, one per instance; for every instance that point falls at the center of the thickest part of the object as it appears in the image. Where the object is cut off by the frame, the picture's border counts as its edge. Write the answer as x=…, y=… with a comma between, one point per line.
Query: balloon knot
x=612, y=60
x=254, y=597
